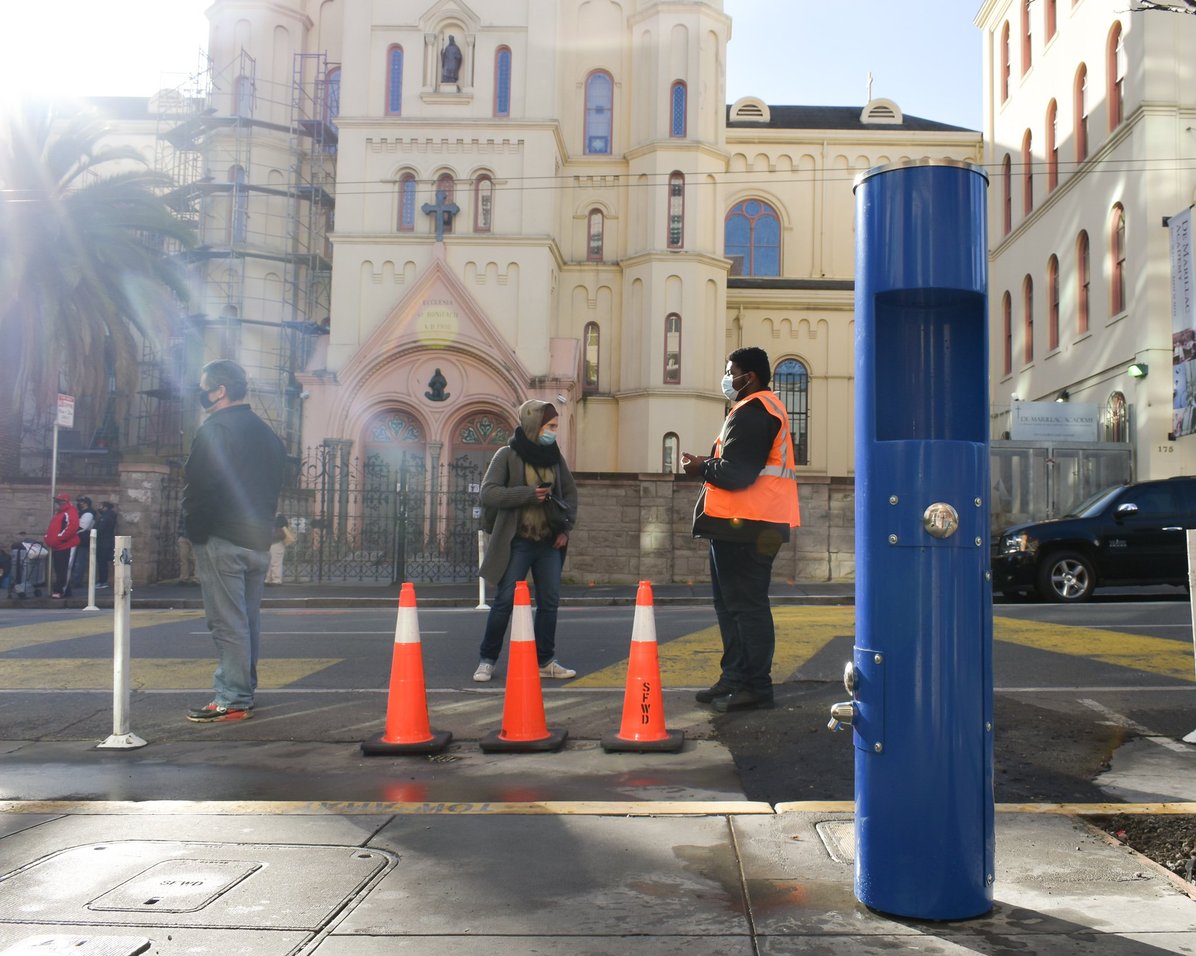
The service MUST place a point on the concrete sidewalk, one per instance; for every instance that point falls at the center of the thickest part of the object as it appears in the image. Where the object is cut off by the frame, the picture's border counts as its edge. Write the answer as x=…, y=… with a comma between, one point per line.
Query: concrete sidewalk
x=694, y=879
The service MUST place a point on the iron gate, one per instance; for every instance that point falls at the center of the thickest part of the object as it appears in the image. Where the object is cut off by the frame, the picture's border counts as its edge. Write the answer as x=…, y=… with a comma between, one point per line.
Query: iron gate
x=375, y=521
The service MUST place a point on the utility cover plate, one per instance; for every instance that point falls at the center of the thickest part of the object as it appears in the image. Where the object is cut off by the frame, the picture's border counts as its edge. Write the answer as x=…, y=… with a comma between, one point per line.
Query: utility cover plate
x=79, y=946
x=175, y=886
x=838, y=836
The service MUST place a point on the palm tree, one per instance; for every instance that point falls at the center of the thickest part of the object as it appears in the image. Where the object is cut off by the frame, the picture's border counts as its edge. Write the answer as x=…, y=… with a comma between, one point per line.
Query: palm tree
x=82, y=271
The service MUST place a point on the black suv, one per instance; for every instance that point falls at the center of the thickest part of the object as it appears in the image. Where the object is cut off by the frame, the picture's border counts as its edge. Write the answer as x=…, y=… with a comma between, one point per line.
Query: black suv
x=1129, y=534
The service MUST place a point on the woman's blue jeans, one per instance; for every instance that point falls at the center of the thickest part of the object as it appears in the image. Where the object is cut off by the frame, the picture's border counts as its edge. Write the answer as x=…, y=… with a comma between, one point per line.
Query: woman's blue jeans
x=545, y=562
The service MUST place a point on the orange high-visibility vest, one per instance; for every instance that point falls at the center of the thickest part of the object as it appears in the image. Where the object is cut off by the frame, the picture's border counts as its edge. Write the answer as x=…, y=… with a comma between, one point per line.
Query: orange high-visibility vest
x=773, y=495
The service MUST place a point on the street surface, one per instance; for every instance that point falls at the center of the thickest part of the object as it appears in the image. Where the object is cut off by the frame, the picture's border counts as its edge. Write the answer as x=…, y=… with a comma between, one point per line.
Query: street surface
x=1073, y=683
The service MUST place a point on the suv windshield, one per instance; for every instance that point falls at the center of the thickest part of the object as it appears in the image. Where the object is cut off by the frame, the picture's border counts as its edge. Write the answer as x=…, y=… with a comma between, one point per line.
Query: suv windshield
x=1094, y=504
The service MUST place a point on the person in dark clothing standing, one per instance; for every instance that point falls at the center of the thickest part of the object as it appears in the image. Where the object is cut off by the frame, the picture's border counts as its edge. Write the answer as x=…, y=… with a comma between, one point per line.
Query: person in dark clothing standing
x=105, y=542
x=746, y=507
x=233, y=476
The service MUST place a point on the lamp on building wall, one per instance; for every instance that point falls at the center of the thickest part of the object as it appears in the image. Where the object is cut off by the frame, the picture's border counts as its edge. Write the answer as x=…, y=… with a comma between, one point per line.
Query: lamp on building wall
x=1063, y=396
x=1138, y=370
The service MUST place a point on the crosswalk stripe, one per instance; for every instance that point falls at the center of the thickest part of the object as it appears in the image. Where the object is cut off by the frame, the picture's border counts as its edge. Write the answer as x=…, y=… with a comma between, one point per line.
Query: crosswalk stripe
x=75, y=673
x=48, y=632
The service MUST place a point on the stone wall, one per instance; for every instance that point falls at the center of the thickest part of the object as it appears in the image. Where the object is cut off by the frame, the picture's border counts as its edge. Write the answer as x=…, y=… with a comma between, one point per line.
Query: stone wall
x=639, y=527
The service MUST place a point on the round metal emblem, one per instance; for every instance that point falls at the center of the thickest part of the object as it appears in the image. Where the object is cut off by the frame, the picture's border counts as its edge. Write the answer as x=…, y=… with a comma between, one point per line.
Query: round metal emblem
x=940, y=520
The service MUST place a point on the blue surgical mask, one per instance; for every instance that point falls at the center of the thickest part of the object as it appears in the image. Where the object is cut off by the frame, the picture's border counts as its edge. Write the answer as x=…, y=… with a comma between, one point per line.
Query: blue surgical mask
x=547, y=438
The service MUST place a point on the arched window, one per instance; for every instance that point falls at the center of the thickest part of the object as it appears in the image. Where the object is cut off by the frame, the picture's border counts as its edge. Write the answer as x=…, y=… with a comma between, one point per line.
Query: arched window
x=676, y=225
x=594, y=228
x=1027, y=320
x=475, y=440
x=1083, y=282
x=394, y=81
x=1052, y=145
x=752, y=239
x=590, y=342
x=1050, y=11
x=407, y=202
x=447, y=185
x=1115, y=74
x=1007, y=331
x=1117, y=418
x=243, y=96
x=1081, y=113
x=502, y=81
x=483, y=203
x=1052, y=303
x=1027, y=45
x=238, y=222
x=670, y=453
x=1117, y=261
x=332, y=95
x=677, y=109
x=1007, y=195
x=672, y=349
x=791, y=382
x=1004, y=78
x=1027, y=174
x=600, y=98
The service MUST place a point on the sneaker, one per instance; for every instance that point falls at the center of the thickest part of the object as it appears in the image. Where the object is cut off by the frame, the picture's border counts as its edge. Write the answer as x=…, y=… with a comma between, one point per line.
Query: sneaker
x=558, y=670
x=210, y=713
x=719, y=689
x=484, y=672
x=101, y=587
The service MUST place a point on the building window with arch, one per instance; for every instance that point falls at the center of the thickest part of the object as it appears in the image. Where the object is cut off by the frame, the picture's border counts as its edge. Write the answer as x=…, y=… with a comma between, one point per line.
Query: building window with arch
x=483, y=203
x=1117, y=418
x=677, y=98
x=1007, y=333
x=676, y=225
x=447, y=185
x=1052, y=303
x=238, y=222
x=1083, y=282
x=243, y=96
x=1027, y=39
x=394, y=81
x=407, y=202
x=1050, y=18
x=1081, y=113
x=1007, y=195
x=475, y=440
x=670, y=453
x=600, y=101
x=589, y=343
x=332, y=96
x=1004, y=78
x=1027, y=320
x=752, y=239
x=1027, y=174
x=595, y=223
x=502, y=82
x=1115, y=69
x=1052, y=145
x=791, y=383
x=672, y=349
x=1117, y=297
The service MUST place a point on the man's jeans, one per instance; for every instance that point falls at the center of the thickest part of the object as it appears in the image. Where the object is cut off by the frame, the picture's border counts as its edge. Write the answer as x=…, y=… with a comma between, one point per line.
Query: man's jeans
x=544, y=561
x=739, y=578
x=233, y=579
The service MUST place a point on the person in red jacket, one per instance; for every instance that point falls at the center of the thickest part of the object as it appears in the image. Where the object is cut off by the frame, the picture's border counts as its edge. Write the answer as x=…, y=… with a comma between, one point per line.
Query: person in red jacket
x=62, y=537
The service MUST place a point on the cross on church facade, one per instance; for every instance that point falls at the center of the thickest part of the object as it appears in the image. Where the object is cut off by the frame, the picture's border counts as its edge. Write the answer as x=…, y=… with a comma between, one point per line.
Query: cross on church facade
x=443, y=211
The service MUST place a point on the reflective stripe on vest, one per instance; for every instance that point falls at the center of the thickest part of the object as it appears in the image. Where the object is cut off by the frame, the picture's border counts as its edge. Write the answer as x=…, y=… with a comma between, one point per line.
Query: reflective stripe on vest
x=773, y=495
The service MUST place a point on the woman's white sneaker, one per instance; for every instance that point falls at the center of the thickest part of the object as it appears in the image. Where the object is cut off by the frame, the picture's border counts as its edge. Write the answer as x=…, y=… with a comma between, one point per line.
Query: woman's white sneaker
x=558, y=670
x=484, y=672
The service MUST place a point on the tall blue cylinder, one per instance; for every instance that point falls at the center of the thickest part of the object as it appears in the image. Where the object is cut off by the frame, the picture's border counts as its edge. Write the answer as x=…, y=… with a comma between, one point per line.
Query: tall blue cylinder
x=921, y=679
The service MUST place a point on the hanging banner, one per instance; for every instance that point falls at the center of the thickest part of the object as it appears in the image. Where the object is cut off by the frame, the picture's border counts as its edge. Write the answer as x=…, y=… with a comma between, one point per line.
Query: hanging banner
x=1183, y=325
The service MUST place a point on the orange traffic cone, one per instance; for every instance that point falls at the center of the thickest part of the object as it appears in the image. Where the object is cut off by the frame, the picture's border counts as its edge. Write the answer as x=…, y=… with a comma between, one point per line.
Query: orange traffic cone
x=643, y=727
x=407, y=730
x=523, y=726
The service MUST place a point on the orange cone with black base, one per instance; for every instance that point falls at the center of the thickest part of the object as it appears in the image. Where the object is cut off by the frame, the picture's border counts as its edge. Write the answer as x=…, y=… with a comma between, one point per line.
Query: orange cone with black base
x=524, y=728
x=643, y=729
x=407, y=730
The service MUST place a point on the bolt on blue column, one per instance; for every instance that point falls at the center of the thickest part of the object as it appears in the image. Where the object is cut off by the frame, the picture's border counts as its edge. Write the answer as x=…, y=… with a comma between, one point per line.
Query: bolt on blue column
x=921, y=674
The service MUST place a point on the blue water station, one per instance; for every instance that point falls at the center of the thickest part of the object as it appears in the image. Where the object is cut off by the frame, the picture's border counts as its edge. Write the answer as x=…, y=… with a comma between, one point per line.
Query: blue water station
x=920, y=678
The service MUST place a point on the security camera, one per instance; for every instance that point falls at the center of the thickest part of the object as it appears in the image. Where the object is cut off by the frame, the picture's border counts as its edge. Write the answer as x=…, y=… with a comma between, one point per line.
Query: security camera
x=562, y=399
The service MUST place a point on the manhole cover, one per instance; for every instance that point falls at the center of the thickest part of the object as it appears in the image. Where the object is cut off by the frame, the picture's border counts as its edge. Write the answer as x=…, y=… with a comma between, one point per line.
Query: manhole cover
x=79, y=946
x=175, y=886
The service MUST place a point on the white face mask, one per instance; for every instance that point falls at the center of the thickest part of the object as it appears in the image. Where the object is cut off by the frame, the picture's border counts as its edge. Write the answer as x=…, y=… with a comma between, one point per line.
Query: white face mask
x=729, y=389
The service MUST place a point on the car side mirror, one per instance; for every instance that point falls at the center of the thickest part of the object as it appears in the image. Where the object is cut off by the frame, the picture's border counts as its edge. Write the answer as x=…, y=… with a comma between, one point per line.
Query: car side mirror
x=1126, y=510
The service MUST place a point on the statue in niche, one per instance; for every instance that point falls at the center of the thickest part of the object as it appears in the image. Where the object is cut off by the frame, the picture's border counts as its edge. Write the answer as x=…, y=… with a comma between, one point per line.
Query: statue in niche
x=436, y=385
x=450, y=62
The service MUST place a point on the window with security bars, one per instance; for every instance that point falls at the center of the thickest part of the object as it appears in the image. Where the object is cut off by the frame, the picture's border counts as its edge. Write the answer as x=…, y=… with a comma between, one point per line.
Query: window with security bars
x=791, y=383
x=676, y=211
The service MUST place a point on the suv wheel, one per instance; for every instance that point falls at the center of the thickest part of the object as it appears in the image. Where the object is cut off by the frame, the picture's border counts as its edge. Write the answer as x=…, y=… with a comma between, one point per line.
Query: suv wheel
x=1066, y=577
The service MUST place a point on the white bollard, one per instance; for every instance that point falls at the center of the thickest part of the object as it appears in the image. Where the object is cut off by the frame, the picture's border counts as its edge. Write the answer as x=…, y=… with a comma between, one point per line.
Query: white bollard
x=482, y=605
x=91, y=573
x=122, y=588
